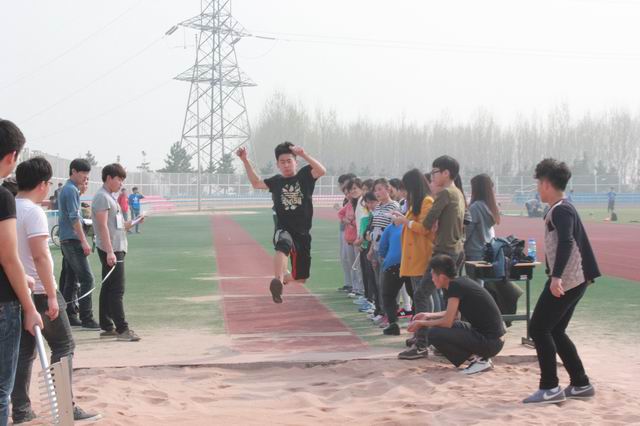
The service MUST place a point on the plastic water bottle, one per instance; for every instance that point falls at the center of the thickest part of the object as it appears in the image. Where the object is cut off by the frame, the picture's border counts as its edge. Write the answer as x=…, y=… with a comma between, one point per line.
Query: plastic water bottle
x=531, y=252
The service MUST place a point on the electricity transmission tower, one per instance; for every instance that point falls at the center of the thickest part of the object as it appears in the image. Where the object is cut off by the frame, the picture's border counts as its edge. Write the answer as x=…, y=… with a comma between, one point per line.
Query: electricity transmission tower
x=216, y=121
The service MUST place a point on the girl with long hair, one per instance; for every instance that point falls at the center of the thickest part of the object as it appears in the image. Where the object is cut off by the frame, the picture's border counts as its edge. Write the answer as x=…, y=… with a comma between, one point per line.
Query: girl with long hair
x=417, y=241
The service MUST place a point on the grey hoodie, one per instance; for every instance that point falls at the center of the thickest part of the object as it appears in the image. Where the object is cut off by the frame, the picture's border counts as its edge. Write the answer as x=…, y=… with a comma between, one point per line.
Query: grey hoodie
x=478, y=232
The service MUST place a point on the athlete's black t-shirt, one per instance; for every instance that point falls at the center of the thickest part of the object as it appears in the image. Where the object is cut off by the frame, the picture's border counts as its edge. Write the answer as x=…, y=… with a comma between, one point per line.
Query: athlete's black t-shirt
x=477, y=307
x=7, y=211
x=292, y=200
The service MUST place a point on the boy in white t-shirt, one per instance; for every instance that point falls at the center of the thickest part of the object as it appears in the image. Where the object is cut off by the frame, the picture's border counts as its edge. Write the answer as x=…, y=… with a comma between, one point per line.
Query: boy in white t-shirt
x=33, y=177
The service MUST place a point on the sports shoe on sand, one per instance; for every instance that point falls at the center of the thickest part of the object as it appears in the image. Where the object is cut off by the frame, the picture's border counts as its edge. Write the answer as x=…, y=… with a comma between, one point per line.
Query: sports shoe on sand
x=276, y=290
x=546, y=396
x=579, y=392
x=478, y=365
x=415, y=352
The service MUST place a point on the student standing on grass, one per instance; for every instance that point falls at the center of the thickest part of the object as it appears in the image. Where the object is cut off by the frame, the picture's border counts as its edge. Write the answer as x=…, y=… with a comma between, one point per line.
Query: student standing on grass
x=134, y=204
x=33, y=178
x=571, y=267
x=75, y=247
x=123, y=201
x=292, y=192
x=476, y=339
x=14, y=283
x=417, y=246
x=111, y=240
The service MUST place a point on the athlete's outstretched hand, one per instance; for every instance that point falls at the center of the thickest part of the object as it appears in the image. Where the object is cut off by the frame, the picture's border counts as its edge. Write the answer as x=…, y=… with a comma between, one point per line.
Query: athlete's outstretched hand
x=297, y=150
x=242, y=153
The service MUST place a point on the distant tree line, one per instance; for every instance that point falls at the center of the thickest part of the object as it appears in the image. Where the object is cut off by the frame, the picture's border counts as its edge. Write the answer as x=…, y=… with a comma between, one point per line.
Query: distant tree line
x=607, y=143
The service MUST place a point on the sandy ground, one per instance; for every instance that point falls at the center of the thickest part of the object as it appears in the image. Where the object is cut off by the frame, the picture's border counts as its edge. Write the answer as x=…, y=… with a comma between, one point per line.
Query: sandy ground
x=196, y=378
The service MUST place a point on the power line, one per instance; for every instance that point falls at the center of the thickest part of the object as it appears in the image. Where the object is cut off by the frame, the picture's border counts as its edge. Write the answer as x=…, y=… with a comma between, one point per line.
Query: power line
x=104, y=112
x=439, y=47
x=92, y=82
x=42, y=66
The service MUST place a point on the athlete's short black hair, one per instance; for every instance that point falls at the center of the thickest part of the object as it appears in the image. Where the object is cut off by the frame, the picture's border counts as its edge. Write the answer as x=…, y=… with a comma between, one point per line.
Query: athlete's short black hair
x=11, y=138
x=32, y=172
x=284, y=148
x=79, y=165
x=443, y=264
x=554, y=171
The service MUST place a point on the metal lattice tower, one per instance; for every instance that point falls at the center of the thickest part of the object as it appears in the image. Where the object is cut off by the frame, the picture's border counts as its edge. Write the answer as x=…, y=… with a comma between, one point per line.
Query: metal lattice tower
x=216, y=120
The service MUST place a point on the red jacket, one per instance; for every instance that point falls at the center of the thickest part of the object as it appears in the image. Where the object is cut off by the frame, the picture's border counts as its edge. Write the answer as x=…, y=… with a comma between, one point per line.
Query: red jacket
x=350, y=229
x=124, y=202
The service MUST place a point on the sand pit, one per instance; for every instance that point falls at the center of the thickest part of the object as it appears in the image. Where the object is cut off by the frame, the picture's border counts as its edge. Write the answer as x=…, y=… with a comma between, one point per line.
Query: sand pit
x=301, y=389
x=384, y=391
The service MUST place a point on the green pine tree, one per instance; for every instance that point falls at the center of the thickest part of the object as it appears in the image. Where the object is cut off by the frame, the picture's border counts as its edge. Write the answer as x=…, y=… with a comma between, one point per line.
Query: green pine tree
x=226, y=166
x=177, y=161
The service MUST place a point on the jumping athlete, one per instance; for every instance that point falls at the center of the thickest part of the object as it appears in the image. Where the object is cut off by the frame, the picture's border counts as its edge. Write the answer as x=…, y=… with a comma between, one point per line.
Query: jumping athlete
x=292, y=192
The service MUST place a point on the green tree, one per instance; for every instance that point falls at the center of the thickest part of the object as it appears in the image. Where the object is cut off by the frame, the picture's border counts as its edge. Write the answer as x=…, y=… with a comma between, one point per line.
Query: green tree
x=267, y=169
x=91, y=158
x=177, y=161
x=226, y=166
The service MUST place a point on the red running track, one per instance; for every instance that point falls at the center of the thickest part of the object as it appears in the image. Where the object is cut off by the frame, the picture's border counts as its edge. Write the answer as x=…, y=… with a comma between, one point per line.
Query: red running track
x=616, y=246
x=256, y=324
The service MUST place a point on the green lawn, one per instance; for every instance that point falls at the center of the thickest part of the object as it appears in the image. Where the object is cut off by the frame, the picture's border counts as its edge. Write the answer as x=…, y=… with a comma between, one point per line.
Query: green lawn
x=169, y=273
x=626, y=215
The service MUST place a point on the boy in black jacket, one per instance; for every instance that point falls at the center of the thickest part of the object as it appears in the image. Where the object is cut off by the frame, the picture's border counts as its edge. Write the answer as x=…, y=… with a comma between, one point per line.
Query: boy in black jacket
x=571, y=266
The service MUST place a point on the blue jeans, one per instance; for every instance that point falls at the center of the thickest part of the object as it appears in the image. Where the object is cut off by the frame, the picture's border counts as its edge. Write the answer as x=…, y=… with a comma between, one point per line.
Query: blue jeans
x=10, y=325
x=77, y=262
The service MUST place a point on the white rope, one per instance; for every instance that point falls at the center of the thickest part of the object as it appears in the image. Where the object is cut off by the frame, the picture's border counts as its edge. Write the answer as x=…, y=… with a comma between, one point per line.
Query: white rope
x=113, y=268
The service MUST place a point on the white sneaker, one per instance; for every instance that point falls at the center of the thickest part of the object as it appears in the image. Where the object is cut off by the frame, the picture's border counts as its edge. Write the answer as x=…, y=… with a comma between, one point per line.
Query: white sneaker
x=478, y=365
x=352, y=295
x=377, y=318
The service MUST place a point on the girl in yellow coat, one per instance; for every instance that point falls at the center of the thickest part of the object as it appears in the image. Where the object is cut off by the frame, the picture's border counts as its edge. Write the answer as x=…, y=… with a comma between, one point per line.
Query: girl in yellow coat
x=417, y=242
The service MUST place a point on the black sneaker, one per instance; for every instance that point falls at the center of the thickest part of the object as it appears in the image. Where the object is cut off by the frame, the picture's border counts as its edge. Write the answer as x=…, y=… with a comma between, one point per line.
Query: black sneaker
x=23, y=418
x=91, y=325
x=80, y=415
x=415, y=352
x=392, y=330
x=410, y=341
x=276, y=290
x=75, y=322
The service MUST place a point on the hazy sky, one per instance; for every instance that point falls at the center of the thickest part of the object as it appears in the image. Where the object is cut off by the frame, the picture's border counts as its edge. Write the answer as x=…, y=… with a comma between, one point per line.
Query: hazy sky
x=97, y=75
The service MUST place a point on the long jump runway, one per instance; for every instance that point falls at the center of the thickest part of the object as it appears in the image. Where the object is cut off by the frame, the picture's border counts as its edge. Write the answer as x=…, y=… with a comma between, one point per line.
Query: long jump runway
x=253, y=321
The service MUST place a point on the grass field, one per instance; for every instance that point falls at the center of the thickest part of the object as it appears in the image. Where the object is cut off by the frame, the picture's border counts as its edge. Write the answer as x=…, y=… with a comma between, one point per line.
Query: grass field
x=626, y=215
x=171, y=280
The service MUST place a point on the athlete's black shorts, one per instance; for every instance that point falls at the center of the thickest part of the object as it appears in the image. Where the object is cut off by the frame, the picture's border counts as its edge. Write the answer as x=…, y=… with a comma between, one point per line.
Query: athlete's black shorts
x=298, y=246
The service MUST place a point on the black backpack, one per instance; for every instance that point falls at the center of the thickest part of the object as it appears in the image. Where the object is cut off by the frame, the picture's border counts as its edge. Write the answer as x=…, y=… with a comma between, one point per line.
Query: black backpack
x=503, y=253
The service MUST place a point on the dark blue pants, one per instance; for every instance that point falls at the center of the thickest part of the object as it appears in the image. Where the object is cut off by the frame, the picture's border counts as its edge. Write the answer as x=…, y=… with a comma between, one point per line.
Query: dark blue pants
x=76, y=269
x=10, y=325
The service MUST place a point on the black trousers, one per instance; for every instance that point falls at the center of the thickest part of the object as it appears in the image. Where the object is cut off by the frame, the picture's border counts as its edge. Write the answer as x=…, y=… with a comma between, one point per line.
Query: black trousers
x=112, y=295
x=547, y=329
x=370, y=284
x=392, y=282
x=461, y=341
